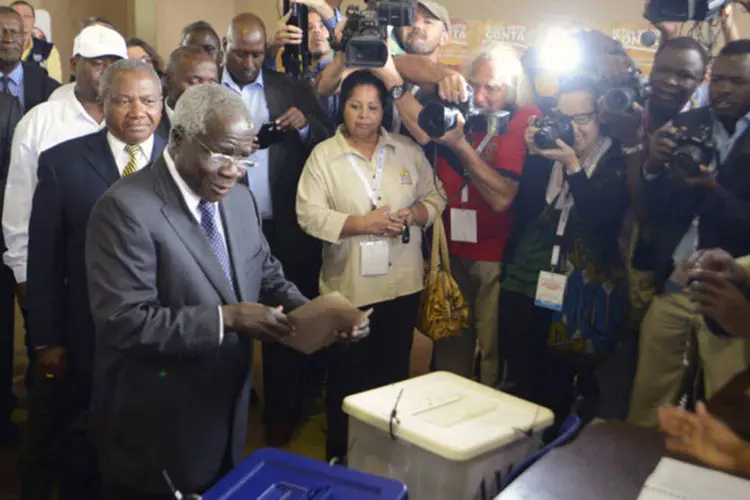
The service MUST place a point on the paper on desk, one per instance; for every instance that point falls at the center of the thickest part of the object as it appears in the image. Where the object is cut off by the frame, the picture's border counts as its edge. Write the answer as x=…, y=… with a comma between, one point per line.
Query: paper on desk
x=318, y=323
x=675, y=480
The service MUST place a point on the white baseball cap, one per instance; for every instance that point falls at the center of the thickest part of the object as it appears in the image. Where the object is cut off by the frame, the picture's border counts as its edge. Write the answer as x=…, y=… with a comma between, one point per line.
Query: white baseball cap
x=99, y=41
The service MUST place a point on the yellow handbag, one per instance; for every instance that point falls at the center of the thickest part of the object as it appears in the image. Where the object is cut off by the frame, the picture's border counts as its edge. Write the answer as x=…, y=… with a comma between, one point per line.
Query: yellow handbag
x=443, y=312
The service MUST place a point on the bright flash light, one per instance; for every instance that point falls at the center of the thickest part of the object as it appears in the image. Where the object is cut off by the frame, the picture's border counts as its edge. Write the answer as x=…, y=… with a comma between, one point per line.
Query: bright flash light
x=559, y=52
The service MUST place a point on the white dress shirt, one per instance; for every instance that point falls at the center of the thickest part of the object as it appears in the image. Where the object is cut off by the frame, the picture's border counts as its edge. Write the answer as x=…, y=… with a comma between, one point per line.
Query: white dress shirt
x=192, y=200
x=122, y=157
x=63, y=92
x=44, y=127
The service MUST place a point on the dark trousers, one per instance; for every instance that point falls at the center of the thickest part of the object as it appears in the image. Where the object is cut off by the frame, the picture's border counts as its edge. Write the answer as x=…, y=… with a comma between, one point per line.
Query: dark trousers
x=40, y=451
x=80, y=478
x=379, y=359
x=7, y=326
x=535, y=373
x=290, y=377
x=57, y=446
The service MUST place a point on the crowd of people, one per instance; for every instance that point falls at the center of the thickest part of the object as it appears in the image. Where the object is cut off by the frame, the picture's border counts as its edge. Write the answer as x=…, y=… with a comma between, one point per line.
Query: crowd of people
x=160, y=218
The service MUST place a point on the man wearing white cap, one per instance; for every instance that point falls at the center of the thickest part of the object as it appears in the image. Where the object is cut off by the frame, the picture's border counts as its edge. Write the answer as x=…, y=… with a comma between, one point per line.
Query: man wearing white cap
x=77, y=114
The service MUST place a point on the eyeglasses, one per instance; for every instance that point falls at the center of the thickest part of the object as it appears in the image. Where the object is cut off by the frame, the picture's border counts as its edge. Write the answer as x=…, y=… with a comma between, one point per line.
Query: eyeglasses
x=223, y=161
x=578, y=118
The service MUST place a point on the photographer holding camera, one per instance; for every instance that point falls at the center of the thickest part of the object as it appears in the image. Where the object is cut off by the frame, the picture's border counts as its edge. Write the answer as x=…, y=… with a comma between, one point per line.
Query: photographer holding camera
x=697, y=192
x=423, y=40
x=479, y=161
x=562, y=266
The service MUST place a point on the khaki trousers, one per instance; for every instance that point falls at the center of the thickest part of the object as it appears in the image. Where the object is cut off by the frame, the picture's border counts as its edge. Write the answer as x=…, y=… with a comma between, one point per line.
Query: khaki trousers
x=479, y=282
x=663, y=339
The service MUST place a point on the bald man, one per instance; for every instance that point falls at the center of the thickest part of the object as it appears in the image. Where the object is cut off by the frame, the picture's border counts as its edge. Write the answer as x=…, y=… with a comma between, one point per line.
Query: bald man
x=272, y=96
x=187, y=66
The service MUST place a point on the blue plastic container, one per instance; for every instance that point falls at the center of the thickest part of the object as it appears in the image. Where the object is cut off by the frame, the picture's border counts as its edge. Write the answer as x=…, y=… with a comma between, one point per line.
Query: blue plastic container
x=271, y=474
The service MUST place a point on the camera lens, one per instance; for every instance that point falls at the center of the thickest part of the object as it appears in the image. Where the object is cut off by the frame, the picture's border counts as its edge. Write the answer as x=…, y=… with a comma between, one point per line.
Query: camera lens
x=619, y=100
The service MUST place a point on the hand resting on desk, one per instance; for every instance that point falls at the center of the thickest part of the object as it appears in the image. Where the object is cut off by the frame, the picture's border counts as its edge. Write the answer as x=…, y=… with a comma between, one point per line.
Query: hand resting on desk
x=703, y=437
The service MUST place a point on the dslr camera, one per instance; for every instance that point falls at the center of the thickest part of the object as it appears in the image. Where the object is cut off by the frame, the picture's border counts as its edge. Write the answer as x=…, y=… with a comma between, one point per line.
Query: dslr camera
x=552, y=128
x=694, y=148
x=659, y=11
x=364, y=38
x=437, y=118
x=620, y=99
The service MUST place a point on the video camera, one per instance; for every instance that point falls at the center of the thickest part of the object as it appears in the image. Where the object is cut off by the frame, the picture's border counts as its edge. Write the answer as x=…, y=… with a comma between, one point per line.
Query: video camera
x=437, y=118
x=620, y=99
x=658, y=11
x=550, y=129
x=364, y=38
x=693, y=150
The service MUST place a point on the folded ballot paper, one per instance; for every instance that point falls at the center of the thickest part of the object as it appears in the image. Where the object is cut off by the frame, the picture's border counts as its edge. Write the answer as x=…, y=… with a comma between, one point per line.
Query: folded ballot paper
x=320, y=322
x=675, y=480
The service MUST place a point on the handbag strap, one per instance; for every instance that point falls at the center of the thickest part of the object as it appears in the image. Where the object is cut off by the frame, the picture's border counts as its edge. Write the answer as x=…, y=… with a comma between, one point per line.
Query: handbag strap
x=440, y=255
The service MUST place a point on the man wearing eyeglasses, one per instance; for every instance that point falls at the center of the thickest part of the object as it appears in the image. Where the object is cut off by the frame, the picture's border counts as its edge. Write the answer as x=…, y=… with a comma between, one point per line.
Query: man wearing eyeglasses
x=177, y=265
x=72, y=178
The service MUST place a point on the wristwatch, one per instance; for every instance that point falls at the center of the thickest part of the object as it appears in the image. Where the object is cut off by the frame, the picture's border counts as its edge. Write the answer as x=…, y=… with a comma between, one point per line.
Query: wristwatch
x=397, y=92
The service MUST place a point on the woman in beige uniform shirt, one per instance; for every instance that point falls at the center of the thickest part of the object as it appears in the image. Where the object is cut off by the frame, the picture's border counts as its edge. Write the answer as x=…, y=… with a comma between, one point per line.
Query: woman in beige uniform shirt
x=360, y=192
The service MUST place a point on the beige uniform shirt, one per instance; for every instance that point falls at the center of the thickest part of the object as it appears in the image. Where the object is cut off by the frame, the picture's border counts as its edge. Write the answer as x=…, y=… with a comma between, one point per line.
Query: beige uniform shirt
x=330, y=190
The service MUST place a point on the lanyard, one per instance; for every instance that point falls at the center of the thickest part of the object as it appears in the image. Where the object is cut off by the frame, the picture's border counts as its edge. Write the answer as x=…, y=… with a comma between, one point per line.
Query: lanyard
x=465, y=186
x=373, y=190
x=567, y=201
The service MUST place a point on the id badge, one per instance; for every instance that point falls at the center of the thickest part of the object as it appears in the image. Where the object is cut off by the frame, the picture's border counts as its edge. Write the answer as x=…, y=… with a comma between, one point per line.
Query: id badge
x=374, y=258
x=550, y=290
x=463, y=225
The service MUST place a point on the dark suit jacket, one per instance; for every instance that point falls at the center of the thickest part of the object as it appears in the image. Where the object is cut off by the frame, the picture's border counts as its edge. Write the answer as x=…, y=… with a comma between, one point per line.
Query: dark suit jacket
x=724, y=212
x=72, y=177
x=286, y=161
x=10, y=115
x=165, y=125
x=168, y=394
x=37, y=85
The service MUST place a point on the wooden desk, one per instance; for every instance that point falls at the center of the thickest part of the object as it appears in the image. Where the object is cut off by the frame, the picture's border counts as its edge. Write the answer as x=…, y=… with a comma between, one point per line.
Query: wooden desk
x=612, y=460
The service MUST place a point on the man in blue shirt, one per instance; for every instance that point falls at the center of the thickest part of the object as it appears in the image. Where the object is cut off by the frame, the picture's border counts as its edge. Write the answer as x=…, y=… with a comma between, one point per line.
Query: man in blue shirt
x=291, y=105
x=28, y=83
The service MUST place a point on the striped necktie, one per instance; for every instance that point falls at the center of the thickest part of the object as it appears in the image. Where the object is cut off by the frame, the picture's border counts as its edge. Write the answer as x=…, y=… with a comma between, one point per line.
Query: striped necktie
x=132, y=166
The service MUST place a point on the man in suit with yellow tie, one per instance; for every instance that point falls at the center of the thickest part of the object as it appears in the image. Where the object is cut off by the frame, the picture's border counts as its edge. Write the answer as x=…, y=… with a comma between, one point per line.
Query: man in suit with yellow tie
x=72, y=178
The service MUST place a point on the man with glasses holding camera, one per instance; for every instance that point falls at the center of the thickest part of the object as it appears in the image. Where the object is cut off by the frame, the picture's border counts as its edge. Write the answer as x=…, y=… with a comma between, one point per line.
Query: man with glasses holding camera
x=697, y=194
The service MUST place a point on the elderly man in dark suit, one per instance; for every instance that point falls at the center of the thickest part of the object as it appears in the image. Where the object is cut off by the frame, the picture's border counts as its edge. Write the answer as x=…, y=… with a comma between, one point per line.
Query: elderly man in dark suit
x=176, y=264
x=28, y=82
x=10, y=114
x=72, y=178
x=272, y=96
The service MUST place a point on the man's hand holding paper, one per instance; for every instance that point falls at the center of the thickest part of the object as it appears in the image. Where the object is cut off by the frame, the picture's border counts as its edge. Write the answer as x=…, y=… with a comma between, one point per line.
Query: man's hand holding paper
x=325, y=320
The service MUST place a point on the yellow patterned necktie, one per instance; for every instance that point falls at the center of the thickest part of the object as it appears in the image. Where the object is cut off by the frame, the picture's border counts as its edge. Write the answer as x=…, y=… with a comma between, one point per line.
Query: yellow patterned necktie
x=132, y=166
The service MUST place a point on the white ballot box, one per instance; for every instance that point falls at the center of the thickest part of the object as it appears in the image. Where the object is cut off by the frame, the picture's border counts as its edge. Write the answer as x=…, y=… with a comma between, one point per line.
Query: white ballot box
x=451, y=438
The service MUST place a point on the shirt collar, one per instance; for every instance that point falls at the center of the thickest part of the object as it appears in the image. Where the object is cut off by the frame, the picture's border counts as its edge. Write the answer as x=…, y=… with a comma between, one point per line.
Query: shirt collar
x=386, y=139
x=191, y=197
x=16, y=76
x=75, y=108
x=227, y=80
x=147, y=146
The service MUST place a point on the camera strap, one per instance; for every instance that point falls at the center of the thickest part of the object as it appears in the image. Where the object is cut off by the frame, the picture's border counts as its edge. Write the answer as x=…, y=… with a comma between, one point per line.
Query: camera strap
x=465, y=173
x=373, y=190
x=564, y=200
